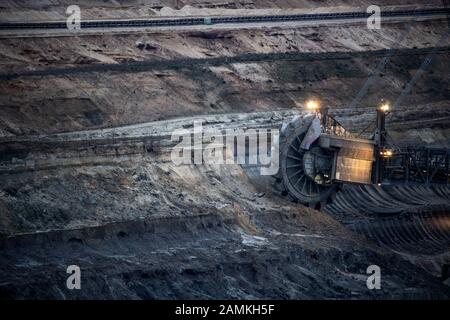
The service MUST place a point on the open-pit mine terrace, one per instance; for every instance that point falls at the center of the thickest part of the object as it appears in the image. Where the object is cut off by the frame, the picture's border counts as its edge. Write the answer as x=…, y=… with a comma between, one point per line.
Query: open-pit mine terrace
x=113, y=202
x=86, y=176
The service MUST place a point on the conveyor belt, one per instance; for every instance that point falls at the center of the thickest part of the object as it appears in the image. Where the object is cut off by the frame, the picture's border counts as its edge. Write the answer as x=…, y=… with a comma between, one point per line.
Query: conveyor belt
x=136, y=23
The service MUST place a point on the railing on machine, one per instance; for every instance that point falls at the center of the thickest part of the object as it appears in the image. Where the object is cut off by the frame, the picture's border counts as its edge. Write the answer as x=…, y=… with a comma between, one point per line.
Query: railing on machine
x=331, y=126
x=421, y=165
x=412, y=165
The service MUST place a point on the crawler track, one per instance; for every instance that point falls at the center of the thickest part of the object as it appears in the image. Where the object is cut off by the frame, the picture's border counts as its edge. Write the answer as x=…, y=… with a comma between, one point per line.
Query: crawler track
x=405, y=218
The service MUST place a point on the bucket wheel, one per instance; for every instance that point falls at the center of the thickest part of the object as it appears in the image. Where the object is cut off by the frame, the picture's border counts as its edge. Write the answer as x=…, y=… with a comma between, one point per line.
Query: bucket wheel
x=304, y=175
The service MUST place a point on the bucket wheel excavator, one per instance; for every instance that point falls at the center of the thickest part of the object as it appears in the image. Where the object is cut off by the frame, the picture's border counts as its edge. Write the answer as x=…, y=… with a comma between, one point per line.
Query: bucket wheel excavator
x=318, y=155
